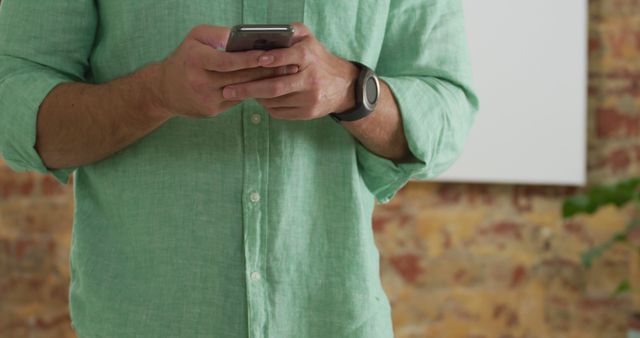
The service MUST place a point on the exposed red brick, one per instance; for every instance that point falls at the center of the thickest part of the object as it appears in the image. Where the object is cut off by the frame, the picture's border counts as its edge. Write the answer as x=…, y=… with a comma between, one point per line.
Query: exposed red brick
x=619, y=40
x=600, y=302
x=404, y=220
x=10, y=186
x=619, y=161
x=456, y=193
x=594, y=44
x=503, y=228
x=378, y=223
x=518, y=275
x=612, y=123
x=449, y=193
x=634, y=237
x=560, y=263
x=52, y=187
x=480, y=194
x=567, y=274
x=577, y=230
x=524, y=195
x=5, y=259
x=620, y=82
x=408, y=266
x=513, y=319
x=634, y=322
x=502, y=310
x=459, y=276
x=34, y=255
x=48, y=323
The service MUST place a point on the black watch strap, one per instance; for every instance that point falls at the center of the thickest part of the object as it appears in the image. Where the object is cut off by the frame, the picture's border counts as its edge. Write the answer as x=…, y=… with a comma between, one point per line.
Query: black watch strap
x=361, y=109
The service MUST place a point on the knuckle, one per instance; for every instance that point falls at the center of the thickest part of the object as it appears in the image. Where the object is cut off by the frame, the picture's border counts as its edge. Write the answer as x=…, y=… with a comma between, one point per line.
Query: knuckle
x=314, y=79
x=278, y=88
x=222, y=64
x=316, y=98
x=193, y=81
x=313, y=112
x=192, y=59
x=204, y=100
x=197, y=29
x=193, y=84
x=305, y=55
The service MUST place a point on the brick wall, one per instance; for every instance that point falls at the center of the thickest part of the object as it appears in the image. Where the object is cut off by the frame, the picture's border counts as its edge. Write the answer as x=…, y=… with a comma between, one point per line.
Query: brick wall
x=484, y=261
x=35, y=230
x=458, y=260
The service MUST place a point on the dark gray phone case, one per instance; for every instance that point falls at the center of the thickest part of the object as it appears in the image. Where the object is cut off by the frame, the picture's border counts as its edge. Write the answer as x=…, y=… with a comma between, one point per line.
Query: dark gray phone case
x=265, y=37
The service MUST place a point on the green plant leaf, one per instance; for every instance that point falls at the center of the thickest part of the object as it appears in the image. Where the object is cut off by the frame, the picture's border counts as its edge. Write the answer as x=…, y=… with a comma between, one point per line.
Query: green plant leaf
x=619, y=237
x=623, y=287
x=590, y=255
x=618, y=194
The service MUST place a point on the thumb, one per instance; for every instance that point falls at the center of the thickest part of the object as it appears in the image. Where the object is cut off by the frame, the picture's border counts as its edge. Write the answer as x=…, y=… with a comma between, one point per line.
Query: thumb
x=214, y=36
x=300, y=31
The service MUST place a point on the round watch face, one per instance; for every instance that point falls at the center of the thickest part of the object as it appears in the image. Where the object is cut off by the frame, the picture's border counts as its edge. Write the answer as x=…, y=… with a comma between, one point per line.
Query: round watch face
x=371, y=90
x=367, y=92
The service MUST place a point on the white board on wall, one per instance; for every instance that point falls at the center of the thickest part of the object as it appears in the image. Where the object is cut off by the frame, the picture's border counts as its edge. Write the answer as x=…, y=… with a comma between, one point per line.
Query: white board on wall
x=529, y=60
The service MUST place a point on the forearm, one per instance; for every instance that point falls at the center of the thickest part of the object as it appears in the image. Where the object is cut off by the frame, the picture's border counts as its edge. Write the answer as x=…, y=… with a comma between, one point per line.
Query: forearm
x=382, y=131
x=80, y=123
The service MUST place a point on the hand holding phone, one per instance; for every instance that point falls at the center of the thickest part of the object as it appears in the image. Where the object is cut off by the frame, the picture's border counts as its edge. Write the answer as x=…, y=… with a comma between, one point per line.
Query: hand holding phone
x=262, y=37
x=190, y=81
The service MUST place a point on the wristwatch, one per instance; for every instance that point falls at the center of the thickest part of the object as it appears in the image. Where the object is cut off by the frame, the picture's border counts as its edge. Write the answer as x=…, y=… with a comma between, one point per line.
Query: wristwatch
x=367, y=91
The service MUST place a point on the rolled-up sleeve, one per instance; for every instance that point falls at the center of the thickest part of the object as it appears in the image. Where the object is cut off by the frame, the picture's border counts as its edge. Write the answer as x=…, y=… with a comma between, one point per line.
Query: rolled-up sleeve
x=42, y=44
x=425, y=62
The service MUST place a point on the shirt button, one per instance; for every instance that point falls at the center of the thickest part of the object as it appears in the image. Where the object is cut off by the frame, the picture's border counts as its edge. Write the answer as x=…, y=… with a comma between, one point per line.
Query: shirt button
x=255, y=276
x=255, y=197
x=255, y=118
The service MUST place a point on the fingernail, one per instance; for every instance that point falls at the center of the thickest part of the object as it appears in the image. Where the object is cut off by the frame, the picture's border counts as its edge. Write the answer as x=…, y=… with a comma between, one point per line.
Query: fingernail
x=292, y=69
x=229, y=93
x=265, y=59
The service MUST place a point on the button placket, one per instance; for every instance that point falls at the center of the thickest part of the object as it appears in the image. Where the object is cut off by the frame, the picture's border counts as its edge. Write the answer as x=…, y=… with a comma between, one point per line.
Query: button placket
x=254, y=197
x=255, y=153
x=256, y=276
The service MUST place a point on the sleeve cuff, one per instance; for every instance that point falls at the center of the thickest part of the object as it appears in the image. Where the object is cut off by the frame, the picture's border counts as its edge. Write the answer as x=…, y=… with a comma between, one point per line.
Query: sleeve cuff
x=383, y=177
x=20, y=99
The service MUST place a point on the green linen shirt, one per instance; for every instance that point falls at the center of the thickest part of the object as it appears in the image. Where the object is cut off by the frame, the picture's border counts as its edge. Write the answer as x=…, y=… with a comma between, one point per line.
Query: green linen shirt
x=240, y=225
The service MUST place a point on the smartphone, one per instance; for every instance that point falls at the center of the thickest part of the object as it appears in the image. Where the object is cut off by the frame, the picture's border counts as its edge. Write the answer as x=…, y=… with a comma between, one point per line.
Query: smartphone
x=265, y=37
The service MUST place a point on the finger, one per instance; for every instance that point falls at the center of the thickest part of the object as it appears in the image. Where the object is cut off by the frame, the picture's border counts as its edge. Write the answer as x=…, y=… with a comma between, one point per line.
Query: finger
x=222, y=107
x=213, y=36
x=287, y=113
x=219, y=61
x=226, y=105
x=298, y=54
x=267, y=88
x=247, y=75
x=293, y=100
x=300, y=31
